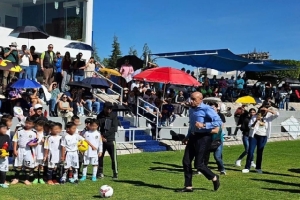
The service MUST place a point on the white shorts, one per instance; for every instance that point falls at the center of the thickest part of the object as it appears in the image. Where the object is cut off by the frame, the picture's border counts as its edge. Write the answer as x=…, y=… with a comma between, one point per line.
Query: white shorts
x=25, y=158
x=90, y=160
x=39, y=162
x=4, y=164
x=72, y=160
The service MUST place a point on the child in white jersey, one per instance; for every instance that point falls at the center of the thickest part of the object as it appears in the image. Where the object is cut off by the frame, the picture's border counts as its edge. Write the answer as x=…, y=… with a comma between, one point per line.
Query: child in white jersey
x=91, y=155
x=39, y=152
x=52, y=152
x=23, y=145
x=70, y=151
x=4, y=144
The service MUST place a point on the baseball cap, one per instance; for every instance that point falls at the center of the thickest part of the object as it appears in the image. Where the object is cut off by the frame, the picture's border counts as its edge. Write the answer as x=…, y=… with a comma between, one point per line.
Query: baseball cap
x=13, y=44
x=38, y=106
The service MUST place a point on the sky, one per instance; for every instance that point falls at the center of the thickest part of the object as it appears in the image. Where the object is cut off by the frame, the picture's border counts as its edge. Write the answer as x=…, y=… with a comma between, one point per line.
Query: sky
x=185, y=25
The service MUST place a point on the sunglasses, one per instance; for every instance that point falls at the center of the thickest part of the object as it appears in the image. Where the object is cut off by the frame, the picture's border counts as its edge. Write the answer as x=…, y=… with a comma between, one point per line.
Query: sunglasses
x=50, y=47
x=64, y=97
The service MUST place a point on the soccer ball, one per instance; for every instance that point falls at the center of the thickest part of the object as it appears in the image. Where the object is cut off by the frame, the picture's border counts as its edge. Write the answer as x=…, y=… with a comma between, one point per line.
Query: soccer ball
x=106, y=191
x=82, y=146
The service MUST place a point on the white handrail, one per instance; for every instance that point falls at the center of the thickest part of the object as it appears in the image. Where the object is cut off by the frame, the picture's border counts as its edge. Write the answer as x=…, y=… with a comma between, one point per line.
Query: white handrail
x=139, y=115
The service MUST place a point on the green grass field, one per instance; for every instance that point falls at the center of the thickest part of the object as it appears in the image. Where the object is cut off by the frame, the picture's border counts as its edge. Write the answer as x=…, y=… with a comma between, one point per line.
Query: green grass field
x=156, y=176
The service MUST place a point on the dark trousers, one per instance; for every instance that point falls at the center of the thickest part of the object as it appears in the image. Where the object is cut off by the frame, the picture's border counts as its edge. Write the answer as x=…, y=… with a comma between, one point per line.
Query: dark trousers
x=260, y=142
x=110, y=147
x=197, y=148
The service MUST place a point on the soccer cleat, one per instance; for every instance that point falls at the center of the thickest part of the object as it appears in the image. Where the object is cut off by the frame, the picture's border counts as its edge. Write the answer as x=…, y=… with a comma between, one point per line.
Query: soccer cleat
x=83, y=178
x=55, y=182
x=94, y=178
x=76, y=181
x=100, y=175
x=50, y=182
x=35, y=181
x=4, y=185
x=41, y=181
x=71, y=180
x=253, y=164
x=115, y=176
x=245, y=171
x=238, y=163
x=185, y=190
x=14, y=181
x=259, y=171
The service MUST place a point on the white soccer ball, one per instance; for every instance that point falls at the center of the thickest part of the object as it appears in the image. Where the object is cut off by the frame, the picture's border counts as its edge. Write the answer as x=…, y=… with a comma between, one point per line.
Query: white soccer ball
x=106, y=191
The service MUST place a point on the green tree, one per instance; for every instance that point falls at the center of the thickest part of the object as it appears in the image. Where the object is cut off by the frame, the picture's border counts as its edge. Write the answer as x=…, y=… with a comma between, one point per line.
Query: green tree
x=293, y=72
x=146, y=51
x=105, y=62
x=132, y=51
x=115, y=55
x=95, y=53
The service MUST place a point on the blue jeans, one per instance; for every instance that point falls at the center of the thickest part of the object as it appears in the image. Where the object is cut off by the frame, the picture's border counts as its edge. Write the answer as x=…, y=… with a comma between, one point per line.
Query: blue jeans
x=260, y=142
x=287, y=100
x=52, y=103
x=78, y=78
x=24, y=73
x=93, y=106
x=218, y=158
x=246, y=147
x=31, y=72
x=281, y=103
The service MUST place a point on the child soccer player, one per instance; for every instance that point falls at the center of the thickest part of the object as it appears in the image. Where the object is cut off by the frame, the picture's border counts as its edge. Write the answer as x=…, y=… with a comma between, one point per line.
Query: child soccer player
x=76, y=120
x=7, y=120
x=52, y=152
x=86, y=128
x=91, y=155
x=23, y=150
x=69, y=151
x=4, y=141
x=39, y=152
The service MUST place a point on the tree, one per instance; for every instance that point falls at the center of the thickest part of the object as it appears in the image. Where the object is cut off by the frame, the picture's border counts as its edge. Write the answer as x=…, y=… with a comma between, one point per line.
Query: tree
x=95, y=53
x=146, y=51
x=105, y=62
x=116, y=53
x=293, y=72
x=132, y=51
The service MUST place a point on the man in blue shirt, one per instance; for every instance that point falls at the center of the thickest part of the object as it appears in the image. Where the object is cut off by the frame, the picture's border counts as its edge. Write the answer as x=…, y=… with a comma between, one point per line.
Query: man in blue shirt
x=204, y=122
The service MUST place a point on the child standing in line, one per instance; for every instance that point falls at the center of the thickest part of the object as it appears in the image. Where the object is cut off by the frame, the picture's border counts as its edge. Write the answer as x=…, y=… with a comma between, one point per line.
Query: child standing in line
x=80, y=154
x=76, y=120
x=52, y=152
x=39, y=151
x=69, y=145
x=4, y=143
x=7, y=120
x=91, y=155
x=23, y=150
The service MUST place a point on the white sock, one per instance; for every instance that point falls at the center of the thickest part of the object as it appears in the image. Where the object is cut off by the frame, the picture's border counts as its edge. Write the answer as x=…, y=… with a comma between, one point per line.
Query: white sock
x=95, y=168
x=64, y=177
x=75, y=175
x=84, y=170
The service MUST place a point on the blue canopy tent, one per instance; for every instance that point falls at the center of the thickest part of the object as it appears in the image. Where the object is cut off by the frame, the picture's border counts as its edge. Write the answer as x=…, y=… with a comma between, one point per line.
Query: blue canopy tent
x=221, y=59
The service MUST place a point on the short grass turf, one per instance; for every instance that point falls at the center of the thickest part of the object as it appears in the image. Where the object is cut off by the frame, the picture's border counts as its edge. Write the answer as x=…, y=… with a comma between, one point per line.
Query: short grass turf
x=156, y=175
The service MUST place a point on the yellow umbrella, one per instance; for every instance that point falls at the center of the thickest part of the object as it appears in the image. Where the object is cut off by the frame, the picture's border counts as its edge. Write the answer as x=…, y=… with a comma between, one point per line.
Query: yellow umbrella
x=110, y=71
x=7, y=65
x=246, y=100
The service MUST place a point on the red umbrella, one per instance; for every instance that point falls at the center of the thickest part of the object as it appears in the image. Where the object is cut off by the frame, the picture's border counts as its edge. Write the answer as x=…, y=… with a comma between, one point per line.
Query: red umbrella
x=167, y=75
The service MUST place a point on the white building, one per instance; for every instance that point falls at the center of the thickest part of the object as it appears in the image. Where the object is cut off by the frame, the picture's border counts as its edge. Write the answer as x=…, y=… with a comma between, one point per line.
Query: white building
x=64, y=20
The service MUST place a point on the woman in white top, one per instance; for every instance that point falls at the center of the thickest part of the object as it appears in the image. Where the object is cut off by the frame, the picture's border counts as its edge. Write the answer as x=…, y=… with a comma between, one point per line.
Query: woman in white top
x=260, y=131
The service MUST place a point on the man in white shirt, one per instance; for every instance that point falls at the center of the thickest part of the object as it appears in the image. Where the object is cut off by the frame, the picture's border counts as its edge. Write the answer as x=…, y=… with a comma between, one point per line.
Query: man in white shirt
x=25, y=57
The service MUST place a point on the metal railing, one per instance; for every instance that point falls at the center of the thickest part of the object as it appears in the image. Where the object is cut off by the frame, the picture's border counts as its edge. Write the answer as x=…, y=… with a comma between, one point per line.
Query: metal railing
x=115, y=84
x=140, y=103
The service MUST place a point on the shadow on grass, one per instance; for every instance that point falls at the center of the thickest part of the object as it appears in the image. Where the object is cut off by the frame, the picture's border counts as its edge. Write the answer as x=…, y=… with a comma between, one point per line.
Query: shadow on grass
x=277, y=182
x=168, y=164
x=294, y=170
x=156, y=186
x=166, y=169
x=283, y=190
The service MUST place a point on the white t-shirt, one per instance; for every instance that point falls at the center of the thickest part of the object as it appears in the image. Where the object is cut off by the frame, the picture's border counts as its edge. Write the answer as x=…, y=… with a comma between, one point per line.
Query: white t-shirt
x=52, y=143
x=22, y=137
x=24, y=61
x=95, y=139
x=39, y=149
x=70, y=142
x=133, y=85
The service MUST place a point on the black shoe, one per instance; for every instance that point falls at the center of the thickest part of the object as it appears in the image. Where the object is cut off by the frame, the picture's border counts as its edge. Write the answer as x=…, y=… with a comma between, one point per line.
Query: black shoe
x=185, y=190
x=216, y=183
x=115, y=176
x=100, y=175
x=76, y=181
